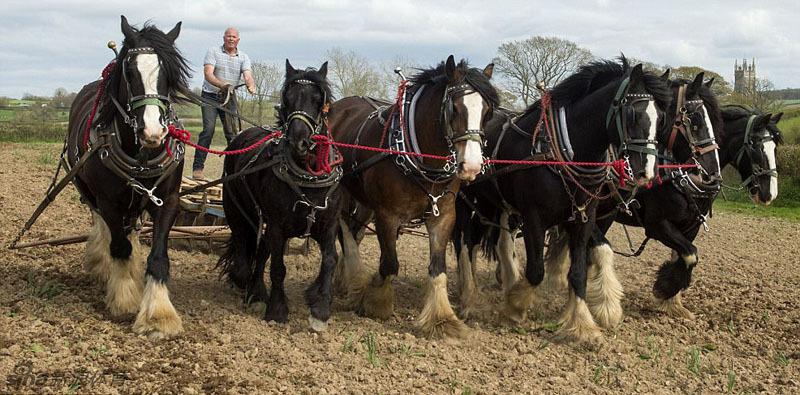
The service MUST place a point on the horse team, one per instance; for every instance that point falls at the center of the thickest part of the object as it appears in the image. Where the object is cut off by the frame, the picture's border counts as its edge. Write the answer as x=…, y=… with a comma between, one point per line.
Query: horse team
x=337, y=166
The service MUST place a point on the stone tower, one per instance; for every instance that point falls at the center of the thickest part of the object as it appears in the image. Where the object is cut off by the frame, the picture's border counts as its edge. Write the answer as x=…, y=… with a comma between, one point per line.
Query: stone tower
x=744, y=76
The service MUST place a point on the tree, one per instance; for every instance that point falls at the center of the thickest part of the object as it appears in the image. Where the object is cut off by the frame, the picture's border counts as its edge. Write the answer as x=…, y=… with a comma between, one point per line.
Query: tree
x=390, y=80
x=268, y=78
x=720, y=87
x=538, y=59
x=762, y=97
x=351, y=74
x=62, y=98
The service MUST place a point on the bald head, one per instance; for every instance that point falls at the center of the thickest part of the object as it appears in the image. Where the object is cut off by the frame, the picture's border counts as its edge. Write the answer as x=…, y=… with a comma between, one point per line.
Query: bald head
x=230, y=40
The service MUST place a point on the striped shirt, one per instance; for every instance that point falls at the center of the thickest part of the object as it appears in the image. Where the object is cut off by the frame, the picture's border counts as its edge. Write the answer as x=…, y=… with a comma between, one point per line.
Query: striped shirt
x=227, y=67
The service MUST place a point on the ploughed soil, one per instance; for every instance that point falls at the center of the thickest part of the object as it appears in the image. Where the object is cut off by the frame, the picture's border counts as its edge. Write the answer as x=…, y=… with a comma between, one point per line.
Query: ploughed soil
x=56, y=335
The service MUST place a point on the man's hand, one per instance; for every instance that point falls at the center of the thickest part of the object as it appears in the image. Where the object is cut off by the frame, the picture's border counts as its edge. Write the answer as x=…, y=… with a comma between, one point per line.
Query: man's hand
x=251, y=89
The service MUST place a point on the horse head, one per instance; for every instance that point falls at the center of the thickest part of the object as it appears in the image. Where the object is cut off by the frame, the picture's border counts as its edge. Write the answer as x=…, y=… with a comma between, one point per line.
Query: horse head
x=691, y=136
x=149, y=72
x=305, y=98
x=465, y=111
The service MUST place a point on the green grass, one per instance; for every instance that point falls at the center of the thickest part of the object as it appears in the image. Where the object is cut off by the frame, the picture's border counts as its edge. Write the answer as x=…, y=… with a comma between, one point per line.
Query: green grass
x=694, y=360
x=790, y=127
x=43, y=288
x=6, y=115
x=788, y=213
x=370, y=342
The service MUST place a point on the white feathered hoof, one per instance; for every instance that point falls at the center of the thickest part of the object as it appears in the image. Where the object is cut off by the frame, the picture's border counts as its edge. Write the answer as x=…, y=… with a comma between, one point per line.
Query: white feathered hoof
x=673, y=307
x=577, y=325
x=378, y=298
x=317, y=325
x=518, y=300
x=437, y=319
x=603, y=290
x=97, y=257
x=157, y=317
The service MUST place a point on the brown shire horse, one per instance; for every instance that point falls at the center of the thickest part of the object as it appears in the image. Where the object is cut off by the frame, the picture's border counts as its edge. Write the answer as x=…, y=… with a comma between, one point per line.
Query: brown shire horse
x=448, y=106
x=129, y=165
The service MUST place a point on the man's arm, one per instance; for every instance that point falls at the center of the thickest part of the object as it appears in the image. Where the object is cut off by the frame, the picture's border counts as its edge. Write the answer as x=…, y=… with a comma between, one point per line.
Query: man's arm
x=249, y=82
x=208, y=73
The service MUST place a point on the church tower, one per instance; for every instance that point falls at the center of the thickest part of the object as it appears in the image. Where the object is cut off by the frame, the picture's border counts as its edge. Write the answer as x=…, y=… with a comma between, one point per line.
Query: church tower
x=744, y=76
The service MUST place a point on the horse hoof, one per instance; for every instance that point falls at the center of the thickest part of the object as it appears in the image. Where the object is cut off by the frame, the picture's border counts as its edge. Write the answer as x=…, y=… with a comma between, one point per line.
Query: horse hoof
x=673, y=307
x=157, y=317
x=517, y=301
x=378, y=299
x=577, y=324
x=317, y=325
x=449, y=328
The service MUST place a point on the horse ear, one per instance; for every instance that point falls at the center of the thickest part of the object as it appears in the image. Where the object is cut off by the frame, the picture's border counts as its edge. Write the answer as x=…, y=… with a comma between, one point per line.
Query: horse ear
x=450, y=67
x=173, y=34
x=637, y=73
x=665, y=76
x=127, y=30
x=698, y=81
x=323, y=70
x=709, y=82
x=289, y=69
x=776, y=118
x=488, y=70
x=762, y=121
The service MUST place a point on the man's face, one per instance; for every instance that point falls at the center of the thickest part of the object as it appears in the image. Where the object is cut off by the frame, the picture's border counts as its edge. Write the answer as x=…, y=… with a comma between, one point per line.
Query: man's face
x=231, y=39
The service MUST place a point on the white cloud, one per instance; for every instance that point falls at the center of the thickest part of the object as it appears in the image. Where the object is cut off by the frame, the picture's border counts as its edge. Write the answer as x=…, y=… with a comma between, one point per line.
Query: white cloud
x=47, y=44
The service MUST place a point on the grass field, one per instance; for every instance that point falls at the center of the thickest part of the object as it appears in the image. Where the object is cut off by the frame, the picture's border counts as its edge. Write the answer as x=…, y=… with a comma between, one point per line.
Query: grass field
x=791, y=130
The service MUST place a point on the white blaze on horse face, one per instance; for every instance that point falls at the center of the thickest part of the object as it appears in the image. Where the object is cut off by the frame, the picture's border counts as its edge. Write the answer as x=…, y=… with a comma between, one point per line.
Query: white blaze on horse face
x=148, y=67
x=650, y=162
x=769, y=151
x=712, y=136
x=471, y=155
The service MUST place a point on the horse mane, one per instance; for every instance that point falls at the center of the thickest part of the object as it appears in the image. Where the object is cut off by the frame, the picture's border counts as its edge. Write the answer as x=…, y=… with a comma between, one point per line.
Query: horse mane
x=473, y=76
x=712, y=106
x=310, y=74
x=597, y=74
x=172, y=63
x=733, y=112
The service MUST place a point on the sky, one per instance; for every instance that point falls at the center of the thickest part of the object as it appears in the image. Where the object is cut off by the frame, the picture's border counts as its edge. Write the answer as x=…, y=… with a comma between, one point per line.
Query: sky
x=47, y=44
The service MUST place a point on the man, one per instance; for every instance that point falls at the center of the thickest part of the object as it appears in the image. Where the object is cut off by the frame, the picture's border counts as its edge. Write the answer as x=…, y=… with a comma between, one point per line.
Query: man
x=223, y=68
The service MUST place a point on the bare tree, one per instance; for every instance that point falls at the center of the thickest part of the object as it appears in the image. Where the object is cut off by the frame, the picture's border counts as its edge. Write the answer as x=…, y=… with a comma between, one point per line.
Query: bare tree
x=537, y=59
x=268, y=78
x=761, y=97
x=351, y=74
x=390, y=80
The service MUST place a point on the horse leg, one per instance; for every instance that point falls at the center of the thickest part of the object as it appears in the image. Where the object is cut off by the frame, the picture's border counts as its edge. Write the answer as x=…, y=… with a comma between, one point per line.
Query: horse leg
x=675, y=274
x=351, y=277
x=577, y=323
x=557, y=259
x=508, y=264
x=97, y=258
x=124, y=271
x=319, y=294
x=277, y=308
x=521, y=295
x=437, y=317
x=377, y=299
x=256, y=290
x=471, y=299
x=157, y=316
x=603, y=290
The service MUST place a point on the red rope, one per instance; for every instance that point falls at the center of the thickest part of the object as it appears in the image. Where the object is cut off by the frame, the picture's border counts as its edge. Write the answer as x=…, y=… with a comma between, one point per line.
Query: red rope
x=184, y=136
x=100, y=91
x=322, y=159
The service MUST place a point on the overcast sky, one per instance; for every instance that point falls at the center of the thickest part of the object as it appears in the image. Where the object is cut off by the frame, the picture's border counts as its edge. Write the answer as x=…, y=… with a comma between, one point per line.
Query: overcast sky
x=50, y=44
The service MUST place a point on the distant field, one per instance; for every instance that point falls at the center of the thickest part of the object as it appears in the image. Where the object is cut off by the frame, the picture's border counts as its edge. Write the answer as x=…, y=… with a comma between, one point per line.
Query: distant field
x=790, y=102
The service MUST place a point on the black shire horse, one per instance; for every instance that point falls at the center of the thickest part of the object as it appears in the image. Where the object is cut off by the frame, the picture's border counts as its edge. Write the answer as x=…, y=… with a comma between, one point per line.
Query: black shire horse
x=604, y=104
x=132, y=166
x=283, y=196
x=670, y=212
x=446, y=108
x=750, y=142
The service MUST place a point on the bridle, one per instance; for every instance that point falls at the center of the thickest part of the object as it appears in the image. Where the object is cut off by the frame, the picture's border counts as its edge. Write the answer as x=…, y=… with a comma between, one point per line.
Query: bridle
x=446, y=111
x=621, y=105
x=751, y=139
x=163, y=102
x=315, y=123
x=683, y=125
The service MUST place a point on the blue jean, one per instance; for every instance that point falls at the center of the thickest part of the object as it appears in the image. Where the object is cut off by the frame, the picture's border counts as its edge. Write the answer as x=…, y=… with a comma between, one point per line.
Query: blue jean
x=209, y=121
